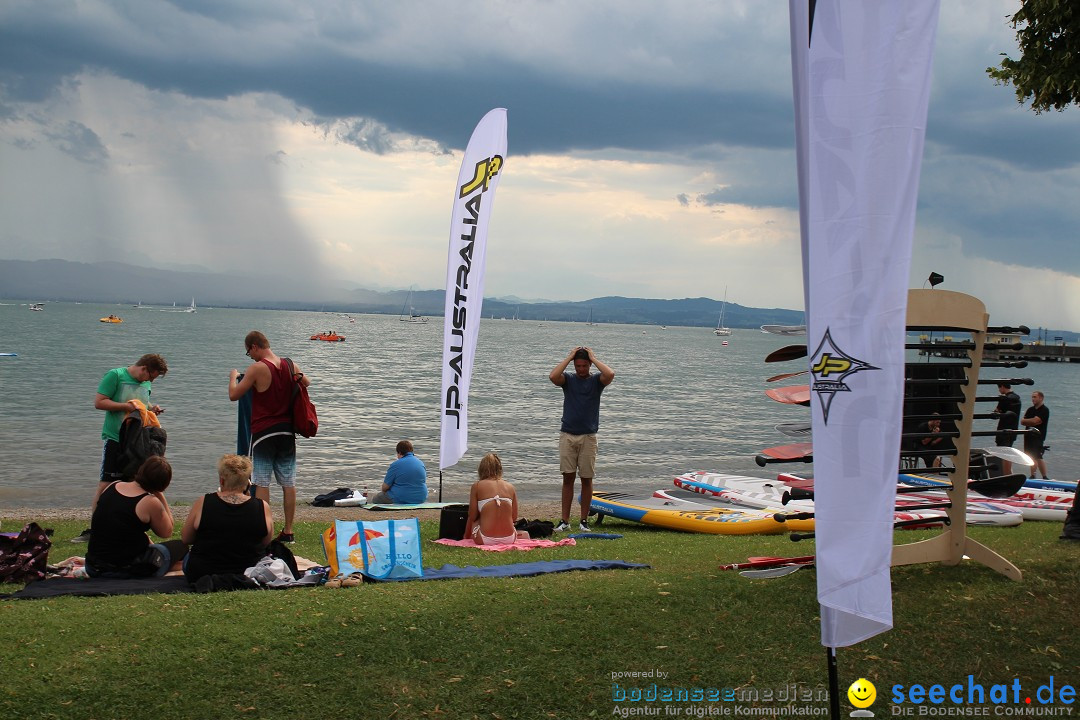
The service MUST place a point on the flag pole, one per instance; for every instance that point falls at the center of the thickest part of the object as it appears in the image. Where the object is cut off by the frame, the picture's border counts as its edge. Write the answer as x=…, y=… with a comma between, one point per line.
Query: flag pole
x=834, y=684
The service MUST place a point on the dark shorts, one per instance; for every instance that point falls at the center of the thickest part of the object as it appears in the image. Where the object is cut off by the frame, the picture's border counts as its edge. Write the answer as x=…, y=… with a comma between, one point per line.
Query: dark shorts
x=111, y=467
x=1033, y=446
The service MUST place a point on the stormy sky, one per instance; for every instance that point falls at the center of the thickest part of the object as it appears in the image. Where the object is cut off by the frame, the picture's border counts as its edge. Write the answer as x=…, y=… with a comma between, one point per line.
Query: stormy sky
x=651, y=147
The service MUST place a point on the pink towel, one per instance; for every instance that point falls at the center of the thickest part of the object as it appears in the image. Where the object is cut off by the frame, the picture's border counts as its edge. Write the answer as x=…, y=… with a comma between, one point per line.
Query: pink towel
x=519, y=545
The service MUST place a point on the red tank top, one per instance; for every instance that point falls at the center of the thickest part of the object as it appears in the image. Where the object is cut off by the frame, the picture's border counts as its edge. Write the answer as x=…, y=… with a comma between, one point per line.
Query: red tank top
x=273, y=406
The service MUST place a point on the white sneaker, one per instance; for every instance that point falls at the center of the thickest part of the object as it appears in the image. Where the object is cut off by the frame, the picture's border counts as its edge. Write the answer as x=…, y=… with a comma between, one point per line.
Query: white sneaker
x=583, y=526
x=562, y=526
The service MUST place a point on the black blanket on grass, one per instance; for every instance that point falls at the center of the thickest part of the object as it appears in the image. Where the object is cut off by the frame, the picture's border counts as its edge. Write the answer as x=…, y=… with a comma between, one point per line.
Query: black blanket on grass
x=99, y=587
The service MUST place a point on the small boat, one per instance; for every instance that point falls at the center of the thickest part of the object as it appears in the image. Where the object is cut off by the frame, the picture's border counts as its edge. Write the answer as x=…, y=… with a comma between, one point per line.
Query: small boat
x=721, y=330
x=414, y=317
x=330, y=336
x=37, y=306
x=111, y=319
x=192, y=308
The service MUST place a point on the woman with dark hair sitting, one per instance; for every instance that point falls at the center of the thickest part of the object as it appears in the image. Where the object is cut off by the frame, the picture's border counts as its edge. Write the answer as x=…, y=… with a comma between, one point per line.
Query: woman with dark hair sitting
x=119, y=546
x=228, y=530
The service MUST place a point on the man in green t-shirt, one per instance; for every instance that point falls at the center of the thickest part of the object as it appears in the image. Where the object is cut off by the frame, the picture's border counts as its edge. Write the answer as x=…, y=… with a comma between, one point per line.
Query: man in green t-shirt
x=115, y=393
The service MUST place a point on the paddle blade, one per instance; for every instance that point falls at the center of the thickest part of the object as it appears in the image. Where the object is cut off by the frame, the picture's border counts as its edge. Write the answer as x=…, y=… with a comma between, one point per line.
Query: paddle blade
x=776, y=572
x=999, y=487
x=785, y=376
x=1016, y=457
x=792, y=395
x=788, y=352
x=799, y=429
x=795, y=451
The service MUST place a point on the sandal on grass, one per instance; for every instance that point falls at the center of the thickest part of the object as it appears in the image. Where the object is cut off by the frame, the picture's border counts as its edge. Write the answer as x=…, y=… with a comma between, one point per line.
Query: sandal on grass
x=333, y=583
x=352, y=581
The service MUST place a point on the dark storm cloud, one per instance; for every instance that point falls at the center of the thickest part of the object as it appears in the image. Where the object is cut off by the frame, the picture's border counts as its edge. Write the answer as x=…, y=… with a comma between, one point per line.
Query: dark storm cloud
x=551, y=113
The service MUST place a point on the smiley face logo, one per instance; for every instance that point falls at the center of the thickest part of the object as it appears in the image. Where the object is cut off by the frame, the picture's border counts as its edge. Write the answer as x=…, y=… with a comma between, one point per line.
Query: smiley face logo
x=862, y=693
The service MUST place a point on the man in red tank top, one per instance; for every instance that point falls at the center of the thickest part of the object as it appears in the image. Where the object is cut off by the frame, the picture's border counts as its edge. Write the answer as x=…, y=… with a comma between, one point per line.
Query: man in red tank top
x=273, y=444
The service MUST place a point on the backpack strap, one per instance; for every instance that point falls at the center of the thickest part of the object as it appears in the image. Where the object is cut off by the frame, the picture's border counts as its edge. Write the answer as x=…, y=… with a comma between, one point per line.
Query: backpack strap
x=292, y=368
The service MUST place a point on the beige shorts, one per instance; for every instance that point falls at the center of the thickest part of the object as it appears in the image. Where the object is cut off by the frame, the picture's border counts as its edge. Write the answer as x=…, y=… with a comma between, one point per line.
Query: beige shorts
x=577, y=453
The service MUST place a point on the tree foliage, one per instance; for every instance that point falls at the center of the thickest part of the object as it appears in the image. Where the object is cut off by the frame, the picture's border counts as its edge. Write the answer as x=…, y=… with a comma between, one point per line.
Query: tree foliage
x=1048, y=71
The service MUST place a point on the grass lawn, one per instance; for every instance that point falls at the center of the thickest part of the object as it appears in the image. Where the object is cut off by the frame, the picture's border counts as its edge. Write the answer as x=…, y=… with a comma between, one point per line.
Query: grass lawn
x=542, y=647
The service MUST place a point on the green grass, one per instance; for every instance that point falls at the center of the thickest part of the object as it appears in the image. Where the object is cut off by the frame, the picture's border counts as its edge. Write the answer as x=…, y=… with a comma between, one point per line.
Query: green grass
x=542, y=647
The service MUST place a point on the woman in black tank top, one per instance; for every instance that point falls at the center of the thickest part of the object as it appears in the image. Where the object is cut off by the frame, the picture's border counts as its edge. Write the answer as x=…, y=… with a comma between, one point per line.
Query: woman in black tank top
x=124, y=512
x=228, y=529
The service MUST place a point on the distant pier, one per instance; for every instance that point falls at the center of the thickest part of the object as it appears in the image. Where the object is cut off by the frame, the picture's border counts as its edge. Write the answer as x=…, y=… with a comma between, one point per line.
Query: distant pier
x=1034, y=353
x=1005, y=347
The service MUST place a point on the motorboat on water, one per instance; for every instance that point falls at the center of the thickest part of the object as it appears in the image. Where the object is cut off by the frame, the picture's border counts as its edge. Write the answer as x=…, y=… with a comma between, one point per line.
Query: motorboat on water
x=111, y=319
x=329, y=336
x=37, y=306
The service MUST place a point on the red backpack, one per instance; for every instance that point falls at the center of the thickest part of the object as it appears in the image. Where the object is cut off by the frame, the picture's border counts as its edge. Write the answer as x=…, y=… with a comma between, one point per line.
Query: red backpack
x=304, y=419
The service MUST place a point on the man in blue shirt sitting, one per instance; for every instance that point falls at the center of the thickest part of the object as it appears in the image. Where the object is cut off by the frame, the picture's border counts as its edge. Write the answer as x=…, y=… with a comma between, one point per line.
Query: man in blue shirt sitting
x=406, y=479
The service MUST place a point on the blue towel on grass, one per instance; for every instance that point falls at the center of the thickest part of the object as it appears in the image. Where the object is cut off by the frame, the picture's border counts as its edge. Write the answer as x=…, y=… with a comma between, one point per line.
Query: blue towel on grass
x=527, y=569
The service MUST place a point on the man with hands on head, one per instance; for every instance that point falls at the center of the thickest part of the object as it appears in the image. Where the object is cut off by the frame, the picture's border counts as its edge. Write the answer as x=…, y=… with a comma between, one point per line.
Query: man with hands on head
x=580, y=423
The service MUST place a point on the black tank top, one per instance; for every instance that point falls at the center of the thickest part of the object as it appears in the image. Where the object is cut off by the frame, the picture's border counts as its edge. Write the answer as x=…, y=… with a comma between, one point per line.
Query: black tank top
x=229, y=539
x=117, y=535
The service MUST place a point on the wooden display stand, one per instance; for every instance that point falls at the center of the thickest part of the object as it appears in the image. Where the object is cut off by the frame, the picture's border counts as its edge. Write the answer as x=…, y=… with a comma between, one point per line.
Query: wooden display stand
x=959, y=313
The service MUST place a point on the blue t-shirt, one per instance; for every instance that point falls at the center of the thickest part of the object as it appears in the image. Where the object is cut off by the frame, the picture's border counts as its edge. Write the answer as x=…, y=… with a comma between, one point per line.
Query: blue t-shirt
x=581, y=404
x=407, y=478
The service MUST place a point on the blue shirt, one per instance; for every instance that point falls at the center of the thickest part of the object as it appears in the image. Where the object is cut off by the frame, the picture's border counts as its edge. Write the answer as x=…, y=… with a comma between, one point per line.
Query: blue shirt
x=407, y=478
x=581, y=404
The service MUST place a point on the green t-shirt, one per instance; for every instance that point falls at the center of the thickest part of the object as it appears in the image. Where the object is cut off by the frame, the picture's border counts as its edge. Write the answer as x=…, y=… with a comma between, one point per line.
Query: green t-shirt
x=119, y=386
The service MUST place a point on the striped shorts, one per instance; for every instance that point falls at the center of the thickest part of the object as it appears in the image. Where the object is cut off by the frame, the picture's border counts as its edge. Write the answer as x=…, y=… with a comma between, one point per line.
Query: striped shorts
x=274, y=456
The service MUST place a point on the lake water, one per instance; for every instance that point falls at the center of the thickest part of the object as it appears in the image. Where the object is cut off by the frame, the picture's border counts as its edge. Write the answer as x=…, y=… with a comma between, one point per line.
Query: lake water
x=681, y=401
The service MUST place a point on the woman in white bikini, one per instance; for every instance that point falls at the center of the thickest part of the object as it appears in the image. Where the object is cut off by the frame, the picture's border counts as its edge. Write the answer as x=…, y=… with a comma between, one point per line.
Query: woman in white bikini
x=492, y=506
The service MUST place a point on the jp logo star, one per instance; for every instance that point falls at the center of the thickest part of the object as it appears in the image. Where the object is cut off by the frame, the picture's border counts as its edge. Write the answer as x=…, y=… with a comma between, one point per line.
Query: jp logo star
x=830, y=366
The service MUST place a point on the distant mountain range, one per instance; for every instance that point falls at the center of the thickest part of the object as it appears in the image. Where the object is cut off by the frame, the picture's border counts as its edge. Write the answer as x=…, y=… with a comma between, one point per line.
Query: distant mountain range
x=112, y=282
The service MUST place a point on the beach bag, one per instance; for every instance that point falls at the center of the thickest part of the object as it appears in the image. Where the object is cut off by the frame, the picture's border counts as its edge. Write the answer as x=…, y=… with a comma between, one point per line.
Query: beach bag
x=391, y=548
x=329, y=546
x=138, y=442
x=327, y=499
x=23, y=557
x=379, y=549
x=304, y=419
x=452, y=520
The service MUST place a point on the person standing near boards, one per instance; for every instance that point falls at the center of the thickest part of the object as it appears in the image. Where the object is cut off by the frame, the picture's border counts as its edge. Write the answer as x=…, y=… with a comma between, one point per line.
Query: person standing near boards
x=1036, y=417
x=580, y=423
x=273, y=444
x=1008, y=414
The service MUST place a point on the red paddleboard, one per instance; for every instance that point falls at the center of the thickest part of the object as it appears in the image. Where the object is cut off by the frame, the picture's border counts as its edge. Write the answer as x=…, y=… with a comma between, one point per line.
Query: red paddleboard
x=790, y=395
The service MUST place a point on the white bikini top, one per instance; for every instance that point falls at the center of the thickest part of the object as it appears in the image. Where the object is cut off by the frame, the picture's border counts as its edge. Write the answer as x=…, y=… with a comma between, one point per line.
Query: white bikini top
x=498, y=501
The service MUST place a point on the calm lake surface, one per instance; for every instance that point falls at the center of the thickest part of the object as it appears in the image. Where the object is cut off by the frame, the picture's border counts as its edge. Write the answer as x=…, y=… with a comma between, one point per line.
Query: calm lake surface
x=681, y=401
